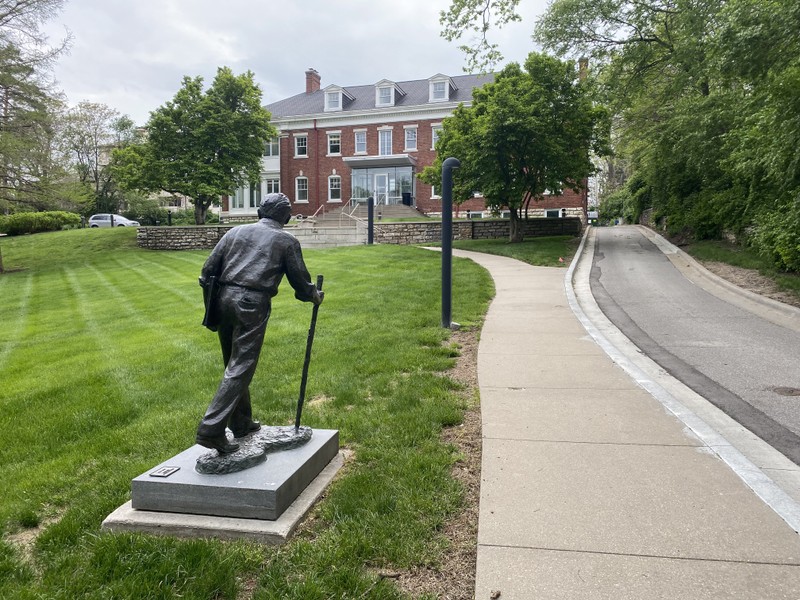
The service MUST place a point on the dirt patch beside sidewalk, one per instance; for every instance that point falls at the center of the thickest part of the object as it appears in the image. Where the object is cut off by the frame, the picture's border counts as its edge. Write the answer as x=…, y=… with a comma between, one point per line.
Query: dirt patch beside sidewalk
x=751, y=280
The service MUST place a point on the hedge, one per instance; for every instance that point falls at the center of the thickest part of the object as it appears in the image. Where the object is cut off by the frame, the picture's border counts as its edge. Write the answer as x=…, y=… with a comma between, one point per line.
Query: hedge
x=36, y=222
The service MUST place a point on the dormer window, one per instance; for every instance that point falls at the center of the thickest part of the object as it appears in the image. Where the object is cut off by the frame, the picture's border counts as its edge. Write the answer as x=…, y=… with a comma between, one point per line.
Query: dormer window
x=387, y=93
x=439, y=88
x=335, y=98
x=385, y=96
x=333, y=101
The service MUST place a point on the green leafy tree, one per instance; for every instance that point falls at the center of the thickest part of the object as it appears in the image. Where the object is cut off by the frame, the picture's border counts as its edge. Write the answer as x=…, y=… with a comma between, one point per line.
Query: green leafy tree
x=474, y=19
x=89, y=132
x=705, y=101
x=31, y=177
x=201, y=144
x=529, y=132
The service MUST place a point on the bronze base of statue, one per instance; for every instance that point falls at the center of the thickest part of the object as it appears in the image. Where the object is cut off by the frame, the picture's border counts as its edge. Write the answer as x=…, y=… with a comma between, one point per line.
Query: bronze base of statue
x=253, y=449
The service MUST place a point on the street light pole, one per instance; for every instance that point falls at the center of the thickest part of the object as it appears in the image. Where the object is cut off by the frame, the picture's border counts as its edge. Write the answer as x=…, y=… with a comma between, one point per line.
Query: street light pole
x=447, y=239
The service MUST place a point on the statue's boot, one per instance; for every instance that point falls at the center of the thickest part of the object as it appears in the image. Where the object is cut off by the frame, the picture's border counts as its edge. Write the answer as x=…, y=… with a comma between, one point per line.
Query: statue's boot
x=221, y=444
x=251, y=427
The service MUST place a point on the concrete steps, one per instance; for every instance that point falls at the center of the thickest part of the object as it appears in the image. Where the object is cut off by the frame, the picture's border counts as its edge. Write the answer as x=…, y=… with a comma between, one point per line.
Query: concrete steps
x=311, y=235
x=390, y=211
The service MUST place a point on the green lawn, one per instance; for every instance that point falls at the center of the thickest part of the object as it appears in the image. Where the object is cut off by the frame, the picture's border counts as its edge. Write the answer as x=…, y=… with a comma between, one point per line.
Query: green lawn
x=543, y=252
x=106, y=371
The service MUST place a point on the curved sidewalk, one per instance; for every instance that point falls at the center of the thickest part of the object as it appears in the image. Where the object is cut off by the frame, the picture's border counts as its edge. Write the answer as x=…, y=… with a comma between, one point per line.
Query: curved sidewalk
x=589, y=487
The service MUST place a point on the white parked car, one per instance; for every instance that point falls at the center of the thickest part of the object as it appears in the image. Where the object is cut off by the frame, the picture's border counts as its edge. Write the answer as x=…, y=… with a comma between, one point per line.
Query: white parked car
x=104, y=220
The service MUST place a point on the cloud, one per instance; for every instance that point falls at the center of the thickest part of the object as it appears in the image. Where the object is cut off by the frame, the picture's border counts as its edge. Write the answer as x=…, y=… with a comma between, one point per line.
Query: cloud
x=133, y=55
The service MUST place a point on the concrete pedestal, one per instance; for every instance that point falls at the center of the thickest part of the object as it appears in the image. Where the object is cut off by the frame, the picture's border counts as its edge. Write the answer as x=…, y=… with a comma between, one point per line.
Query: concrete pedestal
x=261, y=492
x=126, y=519
x=265, y=502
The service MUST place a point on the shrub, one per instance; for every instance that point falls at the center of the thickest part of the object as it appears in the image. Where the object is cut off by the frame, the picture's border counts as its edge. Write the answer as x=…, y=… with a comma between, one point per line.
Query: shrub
x=186, y=217
x=37, y=222
x=147, y=211
x=776, y=236
x=613, y=206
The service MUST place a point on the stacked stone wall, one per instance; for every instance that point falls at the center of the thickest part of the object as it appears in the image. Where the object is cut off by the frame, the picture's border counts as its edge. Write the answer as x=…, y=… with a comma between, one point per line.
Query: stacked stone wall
x=180, y=238
x=403, y=232
x=484, y=229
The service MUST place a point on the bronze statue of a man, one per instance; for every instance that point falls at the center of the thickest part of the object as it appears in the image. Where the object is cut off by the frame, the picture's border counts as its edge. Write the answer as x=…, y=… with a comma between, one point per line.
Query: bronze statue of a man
x=248, y=263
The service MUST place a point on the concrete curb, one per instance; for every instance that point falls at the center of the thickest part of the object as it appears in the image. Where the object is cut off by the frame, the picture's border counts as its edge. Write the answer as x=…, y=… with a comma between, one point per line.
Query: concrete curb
x=673, y=394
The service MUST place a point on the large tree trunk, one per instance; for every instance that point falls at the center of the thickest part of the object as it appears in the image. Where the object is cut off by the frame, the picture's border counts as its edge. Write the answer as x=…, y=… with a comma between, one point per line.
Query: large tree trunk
x=515, y=227
x=201, y=205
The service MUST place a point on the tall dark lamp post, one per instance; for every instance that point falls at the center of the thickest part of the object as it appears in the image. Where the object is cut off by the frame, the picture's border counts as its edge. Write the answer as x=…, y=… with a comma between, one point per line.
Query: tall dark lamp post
x=447, y=239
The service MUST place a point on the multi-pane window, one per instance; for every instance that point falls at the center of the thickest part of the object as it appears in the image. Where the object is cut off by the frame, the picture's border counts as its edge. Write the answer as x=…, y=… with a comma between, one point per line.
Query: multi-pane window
x=439, y=90
x=335, y=143
x=335, y=188
x=385, y=142
x=273, y=147
x=411, y=138
x=301, y=145
x=272, y=186
x=333, y=101
x=301, y=189
x=436, y=131
x=255, y=193
x=385, y=96
x=238, y=198
x=361, y=142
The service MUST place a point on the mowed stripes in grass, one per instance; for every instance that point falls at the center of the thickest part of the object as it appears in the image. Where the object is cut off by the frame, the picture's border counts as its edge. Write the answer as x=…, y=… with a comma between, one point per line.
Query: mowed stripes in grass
x=106, y=371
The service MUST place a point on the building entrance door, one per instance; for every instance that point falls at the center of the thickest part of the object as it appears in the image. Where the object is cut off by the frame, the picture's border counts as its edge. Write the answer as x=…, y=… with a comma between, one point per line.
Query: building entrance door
x=381, y=189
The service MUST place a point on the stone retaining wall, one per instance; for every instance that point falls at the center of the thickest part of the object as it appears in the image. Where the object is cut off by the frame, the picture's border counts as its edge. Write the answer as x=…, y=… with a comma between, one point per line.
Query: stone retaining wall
x=484, y=229
x=404, y=232
x=180, y=238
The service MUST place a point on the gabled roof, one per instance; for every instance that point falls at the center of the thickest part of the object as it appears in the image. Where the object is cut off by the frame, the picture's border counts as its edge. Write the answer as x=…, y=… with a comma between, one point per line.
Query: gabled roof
x=416, y=94
x=387, y=82
x=447, y=78
x=336, y=88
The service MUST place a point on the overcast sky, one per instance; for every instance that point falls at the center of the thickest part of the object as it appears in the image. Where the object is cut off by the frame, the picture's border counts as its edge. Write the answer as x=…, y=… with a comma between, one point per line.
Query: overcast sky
x=132, y=54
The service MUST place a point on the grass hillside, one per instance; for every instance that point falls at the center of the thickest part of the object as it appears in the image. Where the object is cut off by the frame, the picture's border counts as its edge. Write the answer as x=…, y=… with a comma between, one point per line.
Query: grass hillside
x=106, y=371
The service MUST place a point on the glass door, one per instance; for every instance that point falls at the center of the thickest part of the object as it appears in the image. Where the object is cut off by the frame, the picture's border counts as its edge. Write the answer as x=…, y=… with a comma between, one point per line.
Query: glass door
x=381, y=188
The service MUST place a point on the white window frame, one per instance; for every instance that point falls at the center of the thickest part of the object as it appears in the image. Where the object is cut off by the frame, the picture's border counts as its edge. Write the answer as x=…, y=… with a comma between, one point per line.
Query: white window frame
x=335, y=134
x=379, y=101
x=256, y=193
x=297, y=138
x=237, y=201
x=297, y=189
x=433, y=89
x=408, y=129
x=330, y=104
x=356, y=134
x=272, y=185
x=331, y=179
x=273, y=147
x=548, y=212
x=434, y=195
x=436, y=130
x=381, y=133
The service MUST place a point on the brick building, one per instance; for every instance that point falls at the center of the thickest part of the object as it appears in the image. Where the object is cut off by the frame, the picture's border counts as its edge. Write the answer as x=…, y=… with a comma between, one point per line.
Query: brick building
x=339, y=145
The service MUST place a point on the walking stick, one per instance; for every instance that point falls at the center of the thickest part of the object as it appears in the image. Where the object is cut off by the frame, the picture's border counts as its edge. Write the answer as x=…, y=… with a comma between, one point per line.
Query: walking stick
x=309, y=342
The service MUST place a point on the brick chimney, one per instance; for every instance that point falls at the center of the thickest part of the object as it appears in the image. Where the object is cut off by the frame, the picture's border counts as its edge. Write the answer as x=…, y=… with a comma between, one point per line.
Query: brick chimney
x=313, y=81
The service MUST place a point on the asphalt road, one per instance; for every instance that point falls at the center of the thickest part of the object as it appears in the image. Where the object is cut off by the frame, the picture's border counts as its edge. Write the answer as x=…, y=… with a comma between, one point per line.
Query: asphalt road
x=740, y=362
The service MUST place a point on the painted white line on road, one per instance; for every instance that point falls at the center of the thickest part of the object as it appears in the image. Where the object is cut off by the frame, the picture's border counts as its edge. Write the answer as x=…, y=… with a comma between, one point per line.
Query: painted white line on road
x=646, y=373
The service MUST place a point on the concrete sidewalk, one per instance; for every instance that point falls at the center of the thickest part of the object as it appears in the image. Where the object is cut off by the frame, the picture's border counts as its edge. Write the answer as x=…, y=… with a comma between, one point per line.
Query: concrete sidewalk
x=590, y=488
